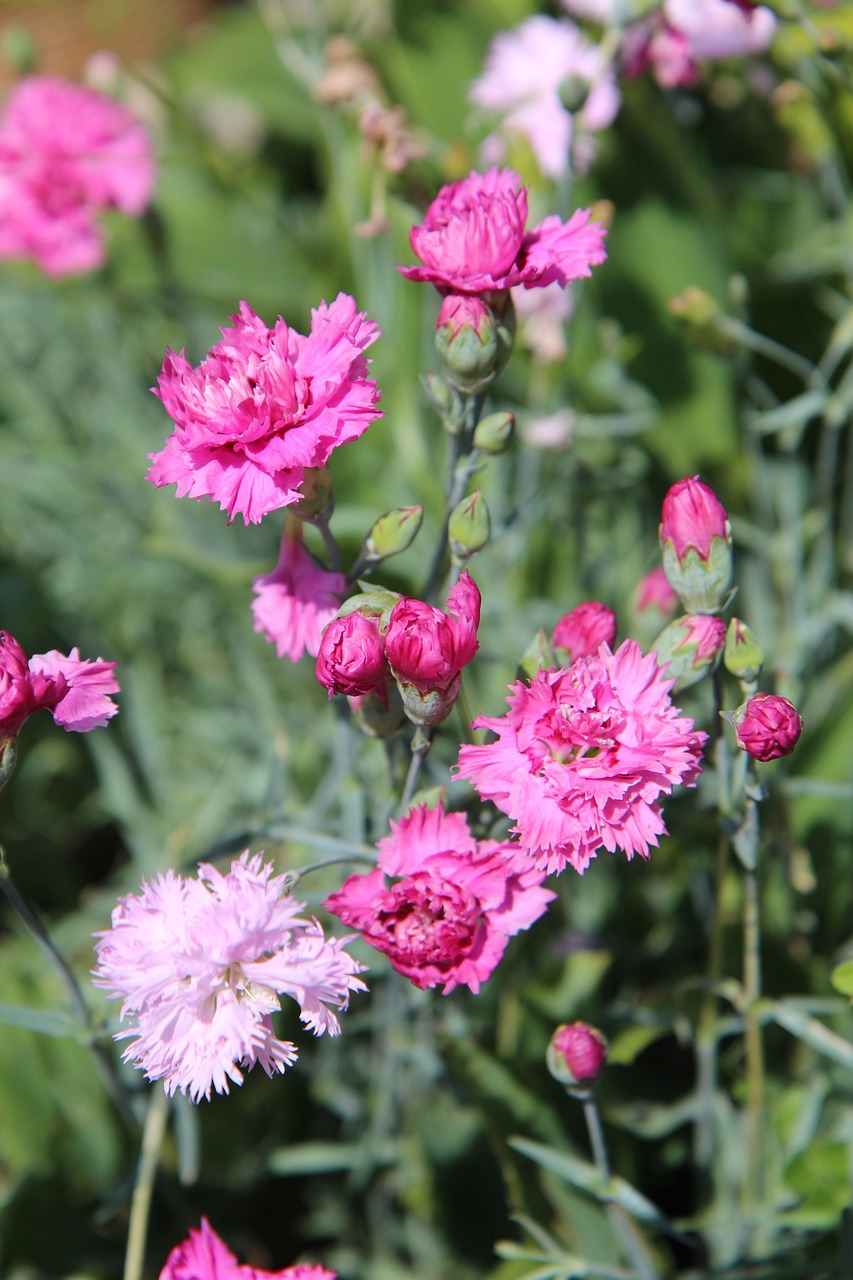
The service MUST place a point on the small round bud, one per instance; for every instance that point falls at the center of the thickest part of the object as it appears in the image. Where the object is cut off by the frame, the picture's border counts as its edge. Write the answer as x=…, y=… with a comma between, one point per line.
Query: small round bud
x=744, y=656
x=318, y=497
x=351, y=659
x=380, y=713
x=767, y=726
x=469, y=527
x=576, y=1054
x=473, y=341
x=392, y=533
x=495, y=433
x=8, y=759
x=538, y=656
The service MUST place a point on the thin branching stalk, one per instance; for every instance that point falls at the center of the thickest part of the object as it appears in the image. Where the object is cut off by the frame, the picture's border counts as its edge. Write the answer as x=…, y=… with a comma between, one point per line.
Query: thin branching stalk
x=153, y=1132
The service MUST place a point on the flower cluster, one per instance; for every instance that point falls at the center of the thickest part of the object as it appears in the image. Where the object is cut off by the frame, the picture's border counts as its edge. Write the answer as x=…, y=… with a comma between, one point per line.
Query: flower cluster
x=203, y=1256
x=422, y=648
x=199, y=965
x=66, y=154
x=584, y=756
x=264, y=407
x=453, y=902
x=74, y=690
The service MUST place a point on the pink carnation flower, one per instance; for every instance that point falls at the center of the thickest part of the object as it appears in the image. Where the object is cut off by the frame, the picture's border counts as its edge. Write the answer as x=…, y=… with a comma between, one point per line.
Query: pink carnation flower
x=584, y=629
x=203, y=1256
x=264, y=407
x=351, y=658
x=473, y=239
x=584, y=756
x=427, y=647
x=199, y=965
x=448, y=917
x=294, y=604
x=74, y=690
x=66, y=154
x=525, y=70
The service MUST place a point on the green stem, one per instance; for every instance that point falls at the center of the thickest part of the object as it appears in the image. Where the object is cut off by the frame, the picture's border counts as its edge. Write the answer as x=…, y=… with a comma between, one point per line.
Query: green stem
x=462, y=461
x=149, y=1157
x=754, y=1185
x=632, y=1243
x=421, y=743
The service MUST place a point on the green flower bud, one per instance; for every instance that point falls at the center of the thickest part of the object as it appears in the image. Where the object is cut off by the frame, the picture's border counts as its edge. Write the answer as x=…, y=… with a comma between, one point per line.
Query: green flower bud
x=379, y=713
x=8, y=759
x=318, y=497
x=473, y=341
x=495, y=433
x=690, y=648
x=538, y=656
x=372, y=602
x=391, y=534
x=743, y=656
x=469, y=527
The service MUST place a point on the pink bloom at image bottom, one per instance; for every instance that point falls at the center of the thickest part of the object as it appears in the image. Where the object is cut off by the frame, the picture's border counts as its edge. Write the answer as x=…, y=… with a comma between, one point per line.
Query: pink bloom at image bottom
x=66, y=154
x=73, y=689
x=265, y=406
x=203, y=1256
x=452, y=903
x=584, y=756
x=474, y=240
x=199, y=964
x=293, y=604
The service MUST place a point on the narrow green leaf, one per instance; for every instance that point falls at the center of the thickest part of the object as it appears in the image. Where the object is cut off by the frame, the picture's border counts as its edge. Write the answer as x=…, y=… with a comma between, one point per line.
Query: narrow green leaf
x=811, y=1032
x=40, y=1020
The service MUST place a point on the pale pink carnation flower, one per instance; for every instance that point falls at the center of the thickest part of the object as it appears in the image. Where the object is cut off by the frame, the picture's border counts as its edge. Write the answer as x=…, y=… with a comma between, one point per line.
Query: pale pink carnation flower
x=203, y=1256
x=452, y=906
x=553, y=431
x=264, y=407
x=473, y=239
x=74, y=690
x=584, y=756
x=525, y=70
x=66, y=154
x=294, y=604
x=199, y=965
x=721, y=28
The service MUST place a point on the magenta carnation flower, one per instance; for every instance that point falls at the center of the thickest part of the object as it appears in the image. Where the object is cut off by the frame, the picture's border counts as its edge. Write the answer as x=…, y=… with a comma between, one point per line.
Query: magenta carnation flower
x=73, y=689
x=264, y=407
x=294, y=604
x=203, y=1256
x=473, y=239
x=199, y=965
x=351, y=658
x=453, y=902
x=66, y=154
x=767, y=726
x=581, y=631
x=584, y=756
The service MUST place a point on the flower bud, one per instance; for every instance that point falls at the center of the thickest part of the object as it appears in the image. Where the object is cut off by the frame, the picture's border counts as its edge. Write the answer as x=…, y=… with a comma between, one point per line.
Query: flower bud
x=392, y=533
x=767, y=726
x=576, y=1054
x=654, y=591
x=469, y=527
x=372, y=602
x=8, y=759
x=495, y=433
x=446, y=400
x=473, y=341
x=538, y=656
x=744, y=656
x=351, y=659
x=427, y=650
x=318, y=496
x=690, y=648
x=380, y=713
x=695, y=538
x=584, y=629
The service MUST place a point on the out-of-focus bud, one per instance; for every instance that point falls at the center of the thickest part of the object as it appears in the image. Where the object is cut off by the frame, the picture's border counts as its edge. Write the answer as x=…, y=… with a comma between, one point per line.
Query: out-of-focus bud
x=654, y=591
x=473, y=340
x=446, y=400
x=690, y=648
x=696, y=542
x=495, y=433
x=704, y=321
x=743, y=656
x=767, y=726
x=538, y=656
x=351, y=659
x=584, y=629
x=318, y=497
x=576, y=1054
x=392, y=533
x=8, y=759
x=469, y=527
x=378, y=714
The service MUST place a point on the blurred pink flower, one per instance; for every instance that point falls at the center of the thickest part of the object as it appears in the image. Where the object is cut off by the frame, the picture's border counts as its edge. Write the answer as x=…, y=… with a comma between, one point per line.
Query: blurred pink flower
x=543, y=315
x=654, y=589
x=74, y=690
x=673, y=41
x=584, y=756
x=525, y=71
x=428, y=648
x=351, y=658
x=581, y=1051
x=265, y=406
x=66, y=154
x=767, y=726
x=473, y=239
x=584, y=629
x=203, y=1256
x=199, y=965
x=449, y=916
x=294, y=604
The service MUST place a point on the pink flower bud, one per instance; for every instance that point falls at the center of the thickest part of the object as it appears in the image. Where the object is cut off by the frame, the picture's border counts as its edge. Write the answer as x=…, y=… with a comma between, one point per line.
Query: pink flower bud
x=473, y=340
x=577, y=1053
x=695, y=539
x=690, y=647
x=427, y=650
x=654, y=590
x=767, y=726
x=351, y=658
x=584, y=629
